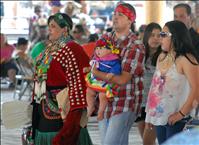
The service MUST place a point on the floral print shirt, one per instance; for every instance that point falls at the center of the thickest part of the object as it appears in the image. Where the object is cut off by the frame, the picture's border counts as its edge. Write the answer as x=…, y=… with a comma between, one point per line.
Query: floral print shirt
x=167, y=95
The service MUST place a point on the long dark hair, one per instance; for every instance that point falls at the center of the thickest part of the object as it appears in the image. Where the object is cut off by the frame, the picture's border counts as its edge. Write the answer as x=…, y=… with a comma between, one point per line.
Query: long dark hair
x=181, y=40
x=147, y=34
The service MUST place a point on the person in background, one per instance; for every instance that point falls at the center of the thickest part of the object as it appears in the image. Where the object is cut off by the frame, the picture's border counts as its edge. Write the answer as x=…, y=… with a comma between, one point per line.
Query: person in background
x=22, y=46
x=141, y=32
x=38, y=45
x=41, y=29
x=33, y=22
x=70, y=9
x=37, y=49
x=173, y=87
x=91, y=44
x=152, y=43
x=8, y=67
x=182, y=12
x=122, y=111
x=79, y=34
x=64, y=59
x=55, y=6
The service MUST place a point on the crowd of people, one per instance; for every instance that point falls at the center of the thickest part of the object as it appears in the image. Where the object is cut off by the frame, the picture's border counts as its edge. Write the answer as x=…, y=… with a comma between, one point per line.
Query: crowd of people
x=145, y=78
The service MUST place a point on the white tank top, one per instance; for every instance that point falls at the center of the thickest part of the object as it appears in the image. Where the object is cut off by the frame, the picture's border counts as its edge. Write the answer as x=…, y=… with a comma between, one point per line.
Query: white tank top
x=167, y=95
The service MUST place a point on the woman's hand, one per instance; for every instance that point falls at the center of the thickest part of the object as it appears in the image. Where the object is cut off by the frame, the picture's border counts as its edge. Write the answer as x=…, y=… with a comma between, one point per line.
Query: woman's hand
x=173, y=118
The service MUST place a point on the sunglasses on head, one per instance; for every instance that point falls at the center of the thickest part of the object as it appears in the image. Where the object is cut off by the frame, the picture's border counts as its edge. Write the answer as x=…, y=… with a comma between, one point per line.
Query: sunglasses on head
x=165, y=34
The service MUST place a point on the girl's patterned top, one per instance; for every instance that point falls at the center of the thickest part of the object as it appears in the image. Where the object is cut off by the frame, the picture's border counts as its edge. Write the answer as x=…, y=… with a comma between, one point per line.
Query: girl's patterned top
x=167, y=95
x=148, y=75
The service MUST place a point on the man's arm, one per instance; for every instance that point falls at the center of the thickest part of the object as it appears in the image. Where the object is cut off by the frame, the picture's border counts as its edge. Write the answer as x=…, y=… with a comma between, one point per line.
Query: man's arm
x=117, y=79
x=132, y=65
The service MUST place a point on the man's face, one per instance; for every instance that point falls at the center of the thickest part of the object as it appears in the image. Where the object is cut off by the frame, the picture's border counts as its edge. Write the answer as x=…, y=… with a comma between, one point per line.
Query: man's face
x=120, y=21
x=180, y=14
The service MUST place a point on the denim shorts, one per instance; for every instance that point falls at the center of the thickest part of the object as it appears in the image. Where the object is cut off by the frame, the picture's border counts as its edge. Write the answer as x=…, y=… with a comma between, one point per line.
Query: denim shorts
x=164, y=132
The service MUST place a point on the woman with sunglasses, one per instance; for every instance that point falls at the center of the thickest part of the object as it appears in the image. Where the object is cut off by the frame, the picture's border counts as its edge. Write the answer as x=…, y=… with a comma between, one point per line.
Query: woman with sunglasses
x=173, y=87
x=59, y=66
x=151, y=41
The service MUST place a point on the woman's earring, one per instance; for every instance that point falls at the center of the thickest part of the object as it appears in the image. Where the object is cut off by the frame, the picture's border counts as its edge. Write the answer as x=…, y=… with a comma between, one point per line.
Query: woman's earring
x=64, y=34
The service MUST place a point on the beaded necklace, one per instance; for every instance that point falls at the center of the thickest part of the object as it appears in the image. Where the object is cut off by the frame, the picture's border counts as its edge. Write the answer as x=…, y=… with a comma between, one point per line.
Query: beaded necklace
x=164, y=65
x=42, y=65
x=119, y=42
x=44, y=59
x=166, y=62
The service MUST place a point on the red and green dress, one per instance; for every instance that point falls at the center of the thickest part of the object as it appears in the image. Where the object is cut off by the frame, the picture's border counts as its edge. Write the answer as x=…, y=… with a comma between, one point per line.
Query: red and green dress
x=59, y=66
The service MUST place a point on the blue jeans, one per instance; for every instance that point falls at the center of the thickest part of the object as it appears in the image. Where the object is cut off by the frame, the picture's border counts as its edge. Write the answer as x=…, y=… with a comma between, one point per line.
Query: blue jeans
x=164, y=132
x=115, y=130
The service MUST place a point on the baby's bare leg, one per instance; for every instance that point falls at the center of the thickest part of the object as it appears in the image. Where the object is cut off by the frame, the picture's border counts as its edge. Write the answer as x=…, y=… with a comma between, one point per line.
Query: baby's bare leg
x=102, y=106
x=90, y=98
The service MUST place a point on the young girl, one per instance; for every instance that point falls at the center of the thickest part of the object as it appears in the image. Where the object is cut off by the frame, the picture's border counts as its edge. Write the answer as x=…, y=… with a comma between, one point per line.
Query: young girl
x=152, y=44
x=173, y=87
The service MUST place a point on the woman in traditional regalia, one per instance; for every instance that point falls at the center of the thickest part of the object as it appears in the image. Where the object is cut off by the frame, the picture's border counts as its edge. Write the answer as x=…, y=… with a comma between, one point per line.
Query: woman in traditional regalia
x=58, y=67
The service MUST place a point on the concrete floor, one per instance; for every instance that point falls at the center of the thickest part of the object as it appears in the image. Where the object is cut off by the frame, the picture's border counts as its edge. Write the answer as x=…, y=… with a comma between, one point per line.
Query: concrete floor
x=13, y=136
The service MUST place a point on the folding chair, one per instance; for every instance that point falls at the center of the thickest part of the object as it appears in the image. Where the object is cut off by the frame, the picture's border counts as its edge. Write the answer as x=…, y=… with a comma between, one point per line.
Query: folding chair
x=24, y=78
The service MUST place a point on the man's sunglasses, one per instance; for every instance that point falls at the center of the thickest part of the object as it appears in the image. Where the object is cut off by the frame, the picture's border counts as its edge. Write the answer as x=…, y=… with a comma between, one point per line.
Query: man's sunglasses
x=165, y=34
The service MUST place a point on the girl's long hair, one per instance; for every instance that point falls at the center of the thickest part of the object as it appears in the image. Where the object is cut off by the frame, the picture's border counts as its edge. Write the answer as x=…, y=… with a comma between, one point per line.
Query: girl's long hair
x=147, y=34
x=181, y=40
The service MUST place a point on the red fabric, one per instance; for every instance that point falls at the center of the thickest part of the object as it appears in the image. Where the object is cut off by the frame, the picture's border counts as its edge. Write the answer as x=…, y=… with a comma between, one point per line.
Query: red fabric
x=56, y=70
x=101, y=43
x=69, y=134
x=89, y=48
x=6, y=52
x=73, y=59
x=126, y=11
x=129, y=95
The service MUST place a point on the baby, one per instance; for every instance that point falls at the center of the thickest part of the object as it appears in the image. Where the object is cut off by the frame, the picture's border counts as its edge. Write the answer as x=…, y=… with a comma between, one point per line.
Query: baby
x=106, y=60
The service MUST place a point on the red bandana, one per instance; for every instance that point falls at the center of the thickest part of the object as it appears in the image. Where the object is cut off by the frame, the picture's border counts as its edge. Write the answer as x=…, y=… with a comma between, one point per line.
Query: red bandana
x=126, y=11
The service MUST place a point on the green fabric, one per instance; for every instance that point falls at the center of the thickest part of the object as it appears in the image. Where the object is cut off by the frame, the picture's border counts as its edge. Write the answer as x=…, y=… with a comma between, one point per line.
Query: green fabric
x=47, y=137
x=37, y=49
x=59, y=19
x=84, y=138
x=42, y=138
